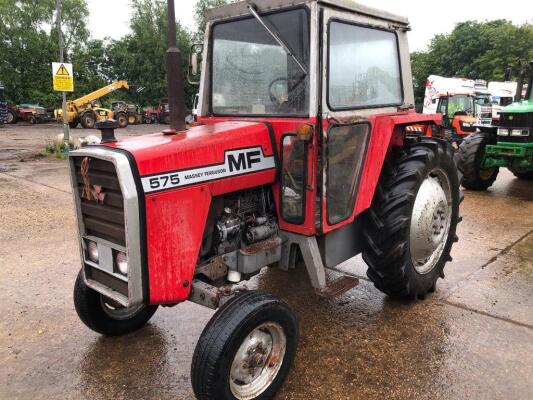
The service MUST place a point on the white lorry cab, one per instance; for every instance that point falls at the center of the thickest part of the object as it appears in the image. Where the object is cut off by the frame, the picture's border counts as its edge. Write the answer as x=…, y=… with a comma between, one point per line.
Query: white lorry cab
x=501, y=95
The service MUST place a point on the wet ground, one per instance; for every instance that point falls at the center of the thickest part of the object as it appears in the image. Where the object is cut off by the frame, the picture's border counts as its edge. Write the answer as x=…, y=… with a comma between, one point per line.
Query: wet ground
x=473, y=338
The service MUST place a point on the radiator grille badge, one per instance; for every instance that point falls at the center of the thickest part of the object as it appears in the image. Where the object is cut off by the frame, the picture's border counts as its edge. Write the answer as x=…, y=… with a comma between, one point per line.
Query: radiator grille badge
x=89, y=191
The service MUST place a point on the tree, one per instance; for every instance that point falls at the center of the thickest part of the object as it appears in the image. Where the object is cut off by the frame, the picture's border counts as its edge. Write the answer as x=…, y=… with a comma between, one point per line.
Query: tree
x=139, y=56
x=28, y=44
x=199, y=14
x=474, y=50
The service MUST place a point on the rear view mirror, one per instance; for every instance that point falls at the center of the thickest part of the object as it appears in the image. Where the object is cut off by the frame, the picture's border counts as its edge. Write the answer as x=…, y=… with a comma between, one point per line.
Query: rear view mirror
x=193, y=75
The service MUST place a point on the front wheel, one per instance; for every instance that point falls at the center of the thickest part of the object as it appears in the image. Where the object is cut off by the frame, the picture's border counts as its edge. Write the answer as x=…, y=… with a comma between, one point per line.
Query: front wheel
x=410, y=227
x=470, y=158
x=246, y=350
x=121, y=119
x=88, y=120
x=104, y=315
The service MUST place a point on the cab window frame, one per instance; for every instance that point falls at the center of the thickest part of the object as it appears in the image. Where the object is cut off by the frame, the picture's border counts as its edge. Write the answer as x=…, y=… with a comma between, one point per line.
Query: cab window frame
x=301, y=219
x=328, y=69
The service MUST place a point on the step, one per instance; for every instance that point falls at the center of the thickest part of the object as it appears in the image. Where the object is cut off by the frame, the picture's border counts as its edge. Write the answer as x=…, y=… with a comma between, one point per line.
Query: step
x=338, y=286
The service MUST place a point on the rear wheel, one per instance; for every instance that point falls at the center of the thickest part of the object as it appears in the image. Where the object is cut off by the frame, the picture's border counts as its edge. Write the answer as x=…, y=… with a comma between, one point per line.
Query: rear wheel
x=132, y=119
x=246, y=350
x=470, y=156
x=523, y=175
x=122, y=119
x=88, y=120
x=11, y=117
x=73, y=124
x=104, y=315
x=411, y=224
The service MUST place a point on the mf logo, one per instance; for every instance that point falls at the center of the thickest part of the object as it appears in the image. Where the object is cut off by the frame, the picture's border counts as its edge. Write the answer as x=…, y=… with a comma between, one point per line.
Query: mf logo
x=244, y=160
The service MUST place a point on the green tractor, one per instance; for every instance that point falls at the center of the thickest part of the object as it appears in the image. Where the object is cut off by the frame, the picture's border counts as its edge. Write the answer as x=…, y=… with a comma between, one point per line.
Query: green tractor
x=509, y=145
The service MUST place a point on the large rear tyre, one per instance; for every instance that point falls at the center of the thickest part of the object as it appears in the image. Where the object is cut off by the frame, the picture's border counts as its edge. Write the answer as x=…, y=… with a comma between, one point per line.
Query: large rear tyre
x=11, y=117
x=528, y=176
x=246, y=350
x=105, y=316
x=88, y=120
x=411, y=225
x=470, y=156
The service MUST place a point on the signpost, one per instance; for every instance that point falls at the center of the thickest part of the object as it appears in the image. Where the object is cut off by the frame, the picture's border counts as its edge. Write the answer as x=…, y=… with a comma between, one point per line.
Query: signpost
x=63, y=78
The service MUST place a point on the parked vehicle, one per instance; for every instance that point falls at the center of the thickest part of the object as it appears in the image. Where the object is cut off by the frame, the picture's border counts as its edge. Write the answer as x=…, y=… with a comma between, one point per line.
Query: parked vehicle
x=502, y=94
x=26, y=112
x=157, y=114
x=301, y=149
x=194, y=111
x=464, y=104
x=510, y=145
x=3, y=106
x=134, y=113
x=86, y=110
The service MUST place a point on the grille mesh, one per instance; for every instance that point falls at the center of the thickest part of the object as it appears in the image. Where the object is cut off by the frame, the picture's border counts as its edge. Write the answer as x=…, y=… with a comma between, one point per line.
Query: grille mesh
x=104, y=218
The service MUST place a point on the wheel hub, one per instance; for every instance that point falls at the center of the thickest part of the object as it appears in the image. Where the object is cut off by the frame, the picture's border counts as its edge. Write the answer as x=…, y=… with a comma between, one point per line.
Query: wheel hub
x=430, y=221
x=257, y=361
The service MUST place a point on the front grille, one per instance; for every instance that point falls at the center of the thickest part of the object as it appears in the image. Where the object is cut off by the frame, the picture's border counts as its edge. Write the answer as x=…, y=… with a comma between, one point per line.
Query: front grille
x=103, y=218
x=3, y=113
x=518, y=120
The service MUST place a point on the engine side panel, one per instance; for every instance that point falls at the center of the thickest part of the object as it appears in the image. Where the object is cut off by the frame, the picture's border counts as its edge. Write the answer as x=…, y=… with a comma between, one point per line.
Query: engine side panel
x=175, y=221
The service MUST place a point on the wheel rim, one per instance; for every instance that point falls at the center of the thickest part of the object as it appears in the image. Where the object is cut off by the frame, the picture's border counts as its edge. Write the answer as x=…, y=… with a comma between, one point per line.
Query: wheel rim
x=10, y=118
x=89, y=122
x=485, y=174
x=257, y=361
x=116, y=311
x=430, y=221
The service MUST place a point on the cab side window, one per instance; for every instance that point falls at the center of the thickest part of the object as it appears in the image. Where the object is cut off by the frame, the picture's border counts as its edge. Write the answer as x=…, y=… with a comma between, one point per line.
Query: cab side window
x=364, y=67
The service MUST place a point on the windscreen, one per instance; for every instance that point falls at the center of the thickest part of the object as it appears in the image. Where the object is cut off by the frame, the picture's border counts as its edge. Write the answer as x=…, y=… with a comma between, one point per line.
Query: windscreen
x=252, y=74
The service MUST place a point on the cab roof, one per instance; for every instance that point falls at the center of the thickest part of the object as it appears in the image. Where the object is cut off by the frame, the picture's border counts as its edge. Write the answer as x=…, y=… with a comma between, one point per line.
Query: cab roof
x=240, y=8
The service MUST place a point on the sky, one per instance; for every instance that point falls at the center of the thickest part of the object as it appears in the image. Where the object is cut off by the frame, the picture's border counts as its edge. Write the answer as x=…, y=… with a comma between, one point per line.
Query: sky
x=428, y=18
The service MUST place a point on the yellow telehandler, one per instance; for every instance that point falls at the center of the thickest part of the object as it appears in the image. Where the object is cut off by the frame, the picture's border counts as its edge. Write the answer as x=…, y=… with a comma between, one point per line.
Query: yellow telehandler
x=87, y=111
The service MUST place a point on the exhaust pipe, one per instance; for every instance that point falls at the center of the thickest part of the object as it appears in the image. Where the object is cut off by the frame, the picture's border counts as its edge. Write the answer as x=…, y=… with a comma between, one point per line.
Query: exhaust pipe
x=175, y=87
x=519, y=81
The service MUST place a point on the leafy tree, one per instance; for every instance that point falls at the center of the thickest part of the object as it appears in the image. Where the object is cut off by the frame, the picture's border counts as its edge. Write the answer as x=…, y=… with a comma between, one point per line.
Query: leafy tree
x=199, y=14
x=28, y=44
x=139, y=57
x=474, y=50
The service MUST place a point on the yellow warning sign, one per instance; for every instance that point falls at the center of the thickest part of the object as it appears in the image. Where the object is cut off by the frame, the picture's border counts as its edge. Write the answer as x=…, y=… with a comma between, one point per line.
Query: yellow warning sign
x=63, y=77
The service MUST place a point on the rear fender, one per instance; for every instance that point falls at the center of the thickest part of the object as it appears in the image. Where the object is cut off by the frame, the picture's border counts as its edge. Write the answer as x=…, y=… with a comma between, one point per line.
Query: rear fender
x=387, y=131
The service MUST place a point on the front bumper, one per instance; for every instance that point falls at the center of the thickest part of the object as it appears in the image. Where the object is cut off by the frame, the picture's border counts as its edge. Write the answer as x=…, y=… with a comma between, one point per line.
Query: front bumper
x=517, y=156
x=98, y=276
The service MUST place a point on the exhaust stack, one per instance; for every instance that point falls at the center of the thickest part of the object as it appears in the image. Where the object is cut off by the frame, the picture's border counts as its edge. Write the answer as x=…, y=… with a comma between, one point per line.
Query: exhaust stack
x=175, y=88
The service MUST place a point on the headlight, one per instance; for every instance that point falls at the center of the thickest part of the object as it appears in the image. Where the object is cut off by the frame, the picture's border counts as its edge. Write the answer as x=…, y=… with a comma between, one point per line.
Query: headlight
x=520, y=132
x=503, y=132
x=121, y=261
x=92, y=251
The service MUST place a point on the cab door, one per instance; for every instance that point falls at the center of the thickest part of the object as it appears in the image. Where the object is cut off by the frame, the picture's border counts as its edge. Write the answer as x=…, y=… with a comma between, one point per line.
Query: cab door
x=362, y=78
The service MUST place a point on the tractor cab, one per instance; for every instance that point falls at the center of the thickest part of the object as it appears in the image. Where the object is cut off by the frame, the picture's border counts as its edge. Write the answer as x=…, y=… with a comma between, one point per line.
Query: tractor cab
x=458, y=114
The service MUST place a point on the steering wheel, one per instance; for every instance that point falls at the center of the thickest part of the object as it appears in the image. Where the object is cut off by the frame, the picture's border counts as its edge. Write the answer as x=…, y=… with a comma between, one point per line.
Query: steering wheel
x=273, y=98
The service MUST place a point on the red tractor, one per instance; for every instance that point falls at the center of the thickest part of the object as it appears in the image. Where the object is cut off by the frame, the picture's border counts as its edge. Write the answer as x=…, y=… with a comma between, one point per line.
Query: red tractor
x=26, y=112
x=158, y=114
x=304, y=151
